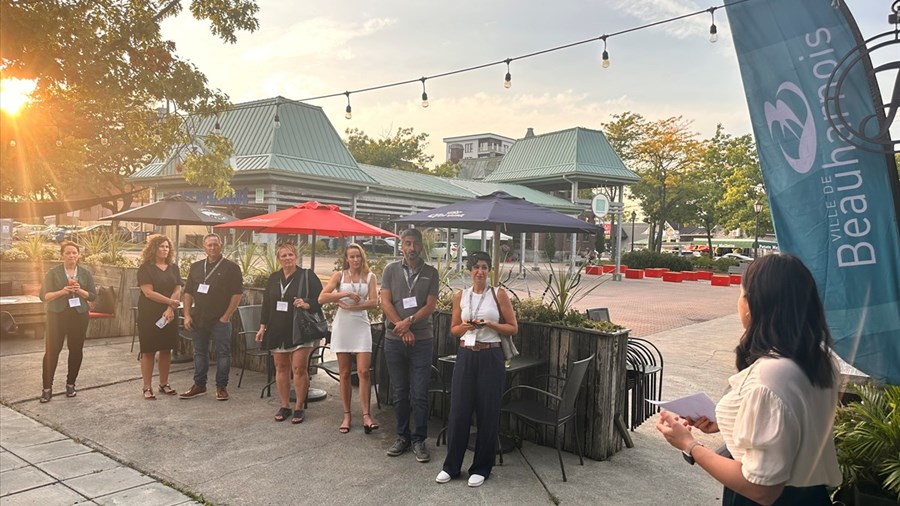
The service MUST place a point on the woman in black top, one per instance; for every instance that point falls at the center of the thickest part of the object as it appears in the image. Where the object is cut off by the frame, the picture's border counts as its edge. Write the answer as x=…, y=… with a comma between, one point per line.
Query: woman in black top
x=161, y=285
x=288, y=289
x=66, y=290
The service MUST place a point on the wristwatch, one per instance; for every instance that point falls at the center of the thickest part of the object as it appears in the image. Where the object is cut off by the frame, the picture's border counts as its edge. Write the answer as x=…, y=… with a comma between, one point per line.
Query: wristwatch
x=686, y=453
x=412, y=319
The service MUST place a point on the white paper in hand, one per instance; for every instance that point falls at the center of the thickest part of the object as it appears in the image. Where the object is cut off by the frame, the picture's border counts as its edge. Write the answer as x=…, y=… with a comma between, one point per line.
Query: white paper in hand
x=162, y=322
x=692, y=406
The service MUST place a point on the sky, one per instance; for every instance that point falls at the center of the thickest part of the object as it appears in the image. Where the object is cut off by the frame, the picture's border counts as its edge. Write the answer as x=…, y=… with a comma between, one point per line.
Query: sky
x=319, y=47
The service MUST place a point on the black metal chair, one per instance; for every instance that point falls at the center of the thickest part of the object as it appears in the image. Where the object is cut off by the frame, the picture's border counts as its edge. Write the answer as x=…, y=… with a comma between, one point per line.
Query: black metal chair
x=537, y=411
x=332, y=369
x=8, y=325
x=643, y=380
x=134, y=294
x=250, y=316
x=438, y=387
x=598, y=314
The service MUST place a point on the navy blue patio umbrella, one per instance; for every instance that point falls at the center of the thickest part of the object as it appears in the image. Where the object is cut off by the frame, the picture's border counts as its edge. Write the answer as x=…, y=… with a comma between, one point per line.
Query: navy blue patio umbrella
x=500, y=212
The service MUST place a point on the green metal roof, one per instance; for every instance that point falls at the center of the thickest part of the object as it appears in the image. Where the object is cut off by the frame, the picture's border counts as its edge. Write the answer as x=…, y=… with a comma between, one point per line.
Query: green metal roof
x=306, y=144
x=479, y=188
x=574, y=152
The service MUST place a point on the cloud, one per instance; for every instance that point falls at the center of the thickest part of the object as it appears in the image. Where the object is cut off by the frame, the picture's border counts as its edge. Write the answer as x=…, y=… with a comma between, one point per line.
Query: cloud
x=649, y=11
x=321, y=37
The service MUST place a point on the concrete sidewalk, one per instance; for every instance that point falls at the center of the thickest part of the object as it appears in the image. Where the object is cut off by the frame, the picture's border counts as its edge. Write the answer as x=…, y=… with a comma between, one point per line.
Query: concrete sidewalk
x=234, y=452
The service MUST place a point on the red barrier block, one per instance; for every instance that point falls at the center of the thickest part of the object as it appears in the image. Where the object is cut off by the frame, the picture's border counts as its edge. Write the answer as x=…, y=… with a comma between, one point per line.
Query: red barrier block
x=634, y=274
x=609, y=269
x=655, y=272
x=704, y=275
x=622, y=269
x=720, y=280
x=735, y=279
x=593, y=269
x=689, y=275
x=672, y=277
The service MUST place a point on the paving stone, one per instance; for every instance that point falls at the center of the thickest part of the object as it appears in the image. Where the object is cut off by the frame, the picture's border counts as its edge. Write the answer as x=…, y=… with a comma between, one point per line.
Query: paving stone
x=8, y=462
x=153, y=494
x=78, y=465
x=21, y=439
x=55, y=494
x=21, y=479
x=108, y=482
x=51, y=451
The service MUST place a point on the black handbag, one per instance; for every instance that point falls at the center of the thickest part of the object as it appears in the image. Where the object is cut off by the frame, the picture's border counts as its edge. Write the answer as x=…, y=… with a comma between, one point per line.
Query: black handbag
x=308, y=326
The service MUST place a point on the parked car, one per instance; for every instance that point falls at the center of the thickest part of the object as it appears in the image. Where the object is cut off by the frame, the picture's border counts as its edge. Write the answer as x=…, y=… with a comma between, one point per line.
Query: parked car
x=439, y=250
x=25, y=230
x=380, y=246
x=124, y=233
x=738, y=257
x=56, y=233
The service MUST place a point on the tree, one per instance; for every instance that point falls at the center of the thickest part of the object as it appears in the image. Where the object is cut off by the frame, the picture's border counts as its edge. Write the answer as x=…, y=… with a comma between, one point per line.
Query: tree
x=405, y=150
x=662, y=153
x=447, y=169
x=102, y=71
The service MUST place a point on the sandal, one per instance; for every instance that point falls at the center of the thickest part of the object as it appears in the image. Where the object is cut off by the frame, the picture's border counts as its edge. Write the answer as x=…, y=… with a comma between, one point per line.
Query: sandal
x=298, y=416
x=46, y=395
x=70, y=391
x=343, y=429
x=148, y=394
x=282, y=414
x=167, y=389
x=368, y=428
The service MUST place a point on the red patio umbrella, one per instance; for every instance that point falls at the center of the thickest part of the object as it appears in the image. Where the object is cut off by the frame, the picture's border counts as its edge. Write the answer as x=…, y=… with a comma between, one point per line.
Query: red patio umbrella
x=309, y=218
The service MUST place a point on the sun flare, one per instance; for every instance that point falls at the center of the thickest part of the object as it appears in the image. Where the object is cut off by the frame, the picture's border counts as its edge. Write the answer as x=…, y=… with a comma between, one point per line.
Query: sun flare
x=15, y=94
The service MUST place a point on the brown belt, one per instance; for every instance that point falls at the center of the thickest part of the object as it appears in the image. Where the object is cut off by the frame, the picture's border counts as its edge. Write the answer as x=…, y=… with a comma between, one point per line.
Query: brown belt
x=479, y=346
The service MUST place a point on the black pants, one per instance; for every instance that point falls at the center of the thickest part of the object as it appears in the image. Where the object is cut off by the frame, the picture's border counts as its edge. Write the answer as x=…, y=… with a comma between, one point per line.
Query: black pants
x=477, y=386
x=71, y=325
x=807, y=496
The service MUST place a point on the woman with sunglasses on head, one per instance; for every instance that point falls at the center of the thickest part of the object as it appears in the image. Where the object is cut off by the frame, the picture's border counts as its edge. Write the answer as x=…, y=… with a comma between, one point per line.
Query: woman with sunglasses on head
x=777, y=417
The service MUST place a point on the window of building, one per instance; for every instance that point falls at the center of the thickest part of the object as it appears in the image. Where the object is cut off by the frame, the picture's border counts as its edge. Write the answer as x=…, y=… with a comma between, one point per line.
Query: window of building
x=468, y=147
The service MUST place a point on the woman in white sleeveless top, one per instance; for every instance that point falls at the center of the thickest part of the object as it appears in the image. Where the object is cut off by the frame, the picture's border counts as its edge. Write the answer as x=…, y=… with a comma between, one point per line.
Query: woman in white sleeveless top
x=777, y=418
x=354, y=290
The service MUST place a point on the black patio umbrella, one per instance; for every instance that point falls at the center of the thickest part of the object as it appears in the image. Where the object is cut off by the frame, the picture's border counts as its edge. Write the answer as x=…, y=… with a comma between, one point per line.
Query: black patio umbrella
x=500, y=212
x=173, y=210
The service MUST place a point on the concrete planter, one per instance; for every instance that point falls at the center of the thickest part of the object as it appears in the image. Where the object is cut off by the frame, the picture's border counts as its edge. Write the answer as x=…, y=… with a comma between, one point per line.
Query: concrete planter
x=602, y=395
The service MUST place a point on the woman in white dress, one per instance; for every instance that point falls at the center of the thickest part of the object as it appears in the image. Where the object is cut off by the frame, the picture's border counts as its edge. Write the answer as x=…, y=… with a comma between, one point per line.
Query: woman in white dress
x=355, y=291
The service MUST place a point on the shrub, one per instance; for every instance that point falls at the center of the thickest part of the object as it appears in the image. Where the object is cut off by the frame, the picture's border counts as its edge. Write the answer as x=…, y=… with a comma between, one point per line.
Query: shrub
x=116, y=260
x=14, y=254
x=534, y=309
x=708, y=264
x=645, y=259
x=550, y=247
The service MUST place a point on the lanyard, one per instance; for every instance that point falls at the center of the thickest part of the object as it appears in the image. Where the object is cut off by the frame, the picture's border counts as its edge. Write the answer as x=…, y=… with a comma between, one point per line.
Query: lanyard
x=206, y=265
x=407, y=271
x=473, y=315
x=357, y=289
x=285, y=287
x=74, y=273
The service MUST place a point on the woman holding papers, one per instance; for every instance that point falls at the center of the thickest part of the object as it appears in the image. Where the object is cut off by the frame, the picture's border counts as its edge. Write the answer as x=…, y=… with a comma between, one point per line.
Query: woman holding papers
x=66, y=290
x=161, y=284
x=777, y=416
x=480, y=314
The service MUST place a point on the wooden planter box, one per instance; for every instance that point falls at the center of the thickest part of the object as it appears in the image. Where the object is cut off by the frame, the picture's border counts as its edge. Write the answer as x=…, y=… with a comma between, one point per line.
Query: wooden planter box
x=634, y=274
x=672, y=277
x=602, y=393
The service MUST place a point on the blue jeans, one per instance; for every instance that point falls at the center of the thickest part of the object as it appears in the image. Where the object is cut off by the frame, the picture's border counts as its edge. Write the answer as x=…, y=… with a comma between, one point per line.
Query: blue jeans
x=221, y=334
x=410, y=370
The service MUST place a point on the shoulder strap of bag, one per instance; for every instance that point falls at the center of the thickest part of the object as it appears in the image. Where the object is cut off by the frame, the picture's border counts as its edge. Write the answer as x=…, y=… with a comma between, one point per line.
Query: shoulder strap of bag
x=497, y=302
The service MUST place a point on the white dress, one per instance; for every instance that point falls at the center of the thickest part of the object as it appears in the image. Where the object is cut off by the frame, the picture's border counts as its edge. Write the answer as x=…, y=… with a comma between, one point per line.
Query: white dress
x=350, y=331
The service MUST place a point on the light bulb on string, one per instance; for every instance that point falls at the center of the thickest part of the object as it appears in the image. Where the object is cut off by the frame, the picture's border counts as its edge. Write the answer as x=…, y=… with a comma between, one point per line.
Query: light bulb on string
x=713, y=31
x=12, y=143
x=507, y=82
x=349, y=111
x=103, y=140
x=424, y=94
x=217, y=128
x=276, y=121
x=605, y=56
x=59, y=143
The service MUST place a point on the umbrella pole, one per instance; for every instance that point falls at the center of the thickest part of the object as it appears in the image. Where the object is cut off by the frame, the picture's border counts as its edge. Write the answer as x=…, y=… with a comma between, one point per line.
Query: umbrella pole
x=496, y=254
x=312, y=255
x=177, y=247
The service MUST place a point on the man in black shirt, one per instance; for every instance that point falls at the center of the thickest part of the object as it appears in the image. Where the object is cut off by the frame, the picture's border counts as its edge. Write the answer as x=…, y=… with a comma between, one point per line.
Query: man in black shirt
x=213, y=292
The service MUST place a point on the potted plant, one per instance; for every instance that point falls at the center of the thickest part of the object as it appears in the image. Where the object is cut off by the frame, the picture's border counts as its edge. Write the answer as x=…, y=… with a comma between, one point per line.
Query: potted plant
x=867, y=438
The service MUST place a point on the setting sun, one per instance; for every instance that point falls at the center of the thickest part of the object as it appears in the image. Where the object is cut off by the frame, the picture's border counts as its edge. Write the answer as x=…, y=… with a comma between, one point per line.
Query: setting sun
x=14, y=94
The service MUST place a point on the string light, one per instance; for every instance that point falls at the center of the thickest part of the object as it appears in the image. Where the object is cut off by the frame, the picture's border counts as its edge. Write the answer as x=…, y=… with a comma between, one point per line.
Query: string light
x=59, y=142
x=507, y=82
x=12, y=143
x=605, y=57
x=713, y=32
x=217, y=128
x=104, y=140
x=424, y=94
x=349, y=113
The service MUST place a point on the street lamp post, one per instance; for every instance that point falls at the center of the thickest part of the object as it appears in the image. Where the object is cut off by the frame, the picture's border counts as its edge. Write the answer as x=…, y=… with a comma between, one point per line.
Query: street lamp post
x=633, y=217
x=757, y=207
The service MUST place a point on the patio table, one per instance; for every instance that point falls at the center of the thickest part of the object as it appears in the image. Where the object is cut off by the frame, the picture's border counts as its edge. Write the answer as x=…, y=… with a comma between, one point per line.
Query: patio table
x=27, y=310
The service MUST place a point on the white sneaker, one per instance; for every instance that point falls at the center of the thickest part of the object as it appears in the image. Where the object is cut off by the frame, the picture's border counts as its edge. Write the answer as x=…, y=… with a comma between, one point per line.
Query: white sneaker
x=442, y=477
x=476, y=480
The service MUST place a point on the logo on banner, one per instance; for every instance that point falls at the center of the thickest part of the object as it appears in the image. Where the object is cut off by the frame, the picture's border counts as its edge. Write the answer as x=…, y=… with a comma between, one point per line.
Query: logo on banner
x=788, y=129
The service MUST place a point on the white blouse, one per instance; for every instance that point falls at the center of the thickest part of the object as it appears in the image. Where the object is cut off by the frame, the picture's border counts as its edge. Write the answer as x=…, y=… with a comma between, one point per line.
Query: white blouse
x=483, y=307
x=780, y=426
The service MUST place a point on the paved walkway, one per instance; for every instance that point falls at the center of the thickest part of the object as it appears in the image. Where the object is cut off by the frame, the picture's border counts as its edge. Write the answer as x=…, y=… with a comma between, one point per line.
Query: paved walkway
x=109, y=446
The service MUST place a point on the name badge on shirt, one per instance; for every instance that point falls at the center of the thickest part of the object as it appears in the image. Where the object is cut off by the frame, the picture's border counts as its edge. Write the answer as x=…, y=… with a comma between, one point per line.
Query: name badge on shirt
x=74, y=302
x=162, y=322
x=203, y=288
x=409, y=302
x=469, y=338
x=281, y=306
